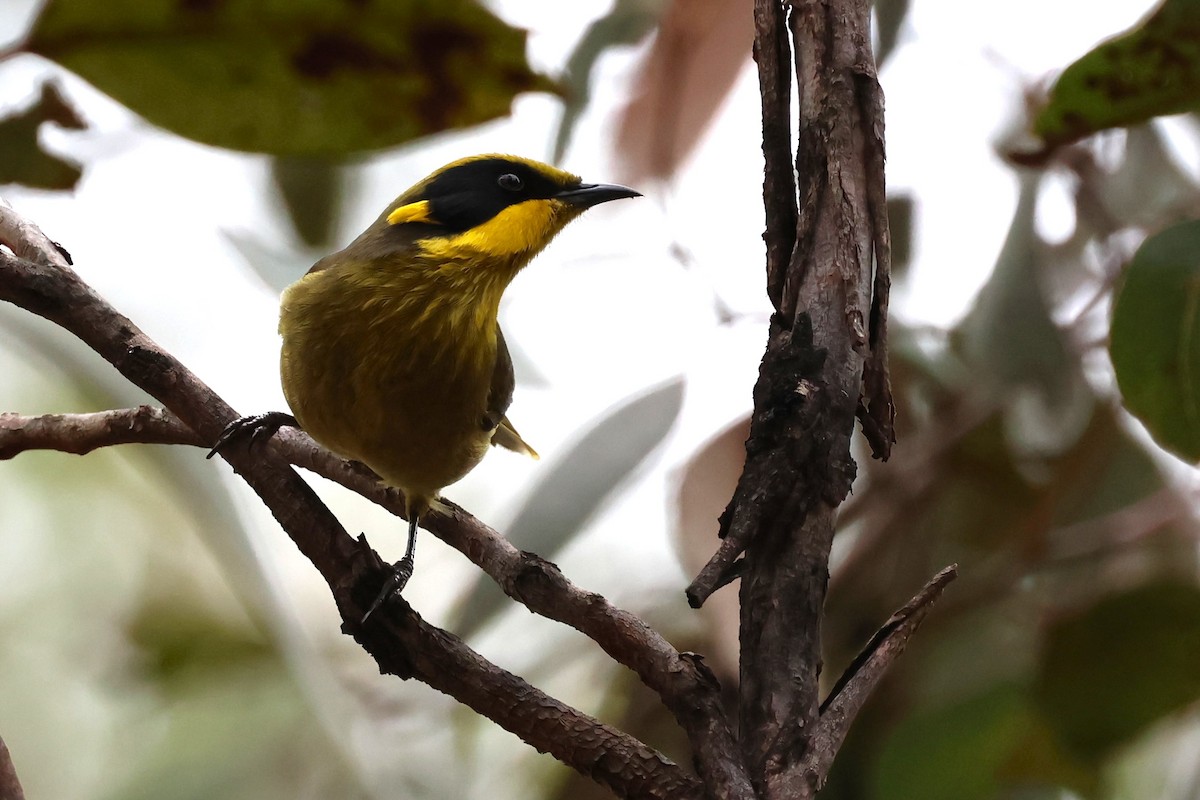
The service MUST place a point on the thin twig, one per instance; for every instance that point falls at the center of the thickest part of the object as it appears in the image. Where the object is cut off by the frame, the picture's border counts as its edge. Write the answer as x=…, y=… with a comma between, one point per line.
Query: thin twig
x=82, y=433
x=408, y=646
x=27, y=241
x=852, y=690
x=773, y=54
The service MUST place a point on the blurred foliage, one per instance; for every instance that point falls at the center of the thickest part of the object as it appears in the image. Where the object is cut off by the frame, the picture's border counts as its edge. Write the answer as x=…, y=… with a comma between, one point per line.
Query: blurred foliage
x=312, y=191
x=1155, y=340
x=1071, y=633
x=1137, y=651
x=889, y=19
x=293, y=77
x=605, y=457
x=1151, y=70
x=25, y=161
x=693, y=62
x=965, y=751
x=901, y=213
x=628, y=22
x=161, y=637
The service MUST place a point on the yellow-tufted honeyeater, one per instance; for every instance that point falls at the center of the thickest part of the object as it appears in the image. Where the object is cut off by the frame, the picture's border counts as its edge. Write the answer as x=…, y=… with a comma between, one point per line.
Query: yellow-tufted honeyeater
x=392, y=353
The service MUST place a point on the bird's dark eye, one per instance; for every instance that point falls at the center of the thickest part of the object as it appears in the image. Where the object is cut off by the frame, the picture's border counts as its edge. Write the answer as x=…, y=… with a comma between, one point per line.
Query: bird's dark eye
x=510, y=182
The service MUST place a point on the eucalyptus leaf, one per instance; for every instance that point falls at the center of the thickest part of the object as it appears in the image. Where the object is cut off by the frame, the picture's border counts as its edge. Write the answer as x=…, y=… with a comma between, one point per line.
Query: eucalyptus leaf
x=953, y=753
x=628, y=22
x=1155, y=338
x=22, y=158
x=313, y=191
x=889, y=18
x=1014, y=350
x=574, y=488
x=902, y=212
x=1151, y=70
x=1126, y=662
x=293, y=77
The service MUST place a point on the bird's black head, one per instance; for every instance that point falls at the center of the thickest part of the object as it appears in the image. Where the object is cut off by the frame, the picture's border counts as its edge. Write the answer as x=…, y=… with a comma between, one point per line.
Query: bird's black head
x=467, y=193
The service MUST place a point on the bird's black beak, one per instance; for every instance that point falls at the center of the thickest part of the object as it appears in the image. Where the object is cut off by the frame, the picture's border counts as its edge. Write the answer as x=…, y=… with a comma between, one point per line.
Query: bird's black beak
x=586, y=195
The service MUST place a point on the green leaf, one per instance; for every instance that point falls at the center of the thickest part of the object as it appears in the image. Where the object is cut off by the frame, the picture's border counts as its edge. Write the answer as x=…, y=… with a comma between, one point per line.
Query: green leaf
x=1151, y=70
x=1123, y=664
x=627, y=23
x=293, y=77
x=889, y=17
x=312, y=191
x=1008, y=337
x=1155, y=338
x=953, y=753
x=574, y=488
x=902, y=212
x=22, y=159
x=1013, y=349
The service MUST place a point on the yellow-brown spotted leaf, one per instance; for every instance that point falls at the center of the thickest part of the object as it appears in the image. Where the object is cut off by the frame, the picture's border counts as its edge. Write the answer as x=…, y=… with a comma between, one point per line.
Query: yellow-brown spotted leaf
x=293, y=77
x=1151, y=70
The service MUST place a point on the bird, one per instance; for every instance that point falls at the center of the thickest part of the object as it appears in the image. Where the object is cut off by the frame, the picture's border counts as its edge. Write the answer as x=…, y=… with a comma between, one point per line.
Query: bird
x=392, y=351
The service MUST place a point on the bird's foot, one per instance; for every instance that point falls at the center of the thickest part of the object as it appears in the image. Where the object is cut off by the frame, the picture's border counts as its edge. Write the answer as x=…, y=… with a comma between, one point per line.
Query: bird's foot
x=402, y=570
x=255, y=428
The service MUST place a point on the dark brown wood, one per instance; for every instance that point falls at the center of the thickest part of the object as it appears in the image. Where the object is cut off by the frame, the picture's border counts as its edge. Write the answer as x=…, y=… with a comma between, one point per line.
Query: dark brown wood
x=850, y=693
x=772, y=54
x=827, y=330
x=10, y=786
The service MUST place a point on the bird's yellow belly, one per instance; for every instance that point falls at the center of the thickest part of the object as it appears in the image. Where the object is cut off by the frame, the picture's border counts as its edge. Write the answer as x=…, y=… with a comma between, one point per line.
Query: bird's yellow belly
x=408, y=408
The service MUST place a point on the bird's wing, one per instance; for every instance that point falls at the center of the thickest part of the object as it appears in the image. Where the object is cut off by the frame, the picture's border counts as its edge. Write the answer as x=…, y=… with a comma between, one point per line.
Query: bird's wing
x=500, y=397
x=507, y=437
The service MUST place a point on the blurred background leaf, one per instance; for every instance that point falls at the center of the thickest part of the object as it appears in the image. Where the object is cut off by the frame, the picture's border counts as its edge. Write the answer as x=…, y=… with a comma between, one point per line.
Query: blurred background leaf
x=889, y=20
x=1155, y=340
x=1151, y=70
x=628, y=22
x=1121, y=665
x=302, y=78
x=699, y=50
x=313, y=191
x=574, y=489
x=22, y=158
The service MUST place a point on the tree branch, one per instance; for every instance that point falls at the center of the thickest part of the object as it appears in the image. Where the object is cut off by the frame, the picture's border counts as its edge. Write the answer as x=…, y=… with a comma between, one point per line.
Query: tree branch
x=852, y=690
x=82, y=433
x=688, y=688
x=27, y=241
x=825, y=356
x=406, y=646
x=10, y=786
x=352, y=571
x=772, y=54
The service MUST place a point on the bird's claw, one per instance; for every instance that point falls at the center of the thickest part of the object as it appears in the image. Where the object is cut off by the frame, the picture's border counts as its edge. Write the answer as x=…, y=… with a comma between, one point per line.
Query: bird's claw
x=402, y=570
x=258, y=427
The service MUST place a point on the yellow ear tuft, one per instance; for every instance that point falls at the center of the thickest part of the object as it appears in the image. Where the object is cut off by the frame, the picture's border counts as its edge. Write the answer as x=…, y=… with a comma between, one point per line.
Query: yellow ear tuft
x=413, y=212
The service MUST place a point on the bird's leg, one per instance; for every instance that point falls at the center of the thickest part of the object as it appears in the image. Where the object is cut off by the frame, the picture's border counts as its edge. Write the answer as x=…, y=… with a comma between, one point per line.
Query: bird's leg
x=258, y=427
x=402, y=570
